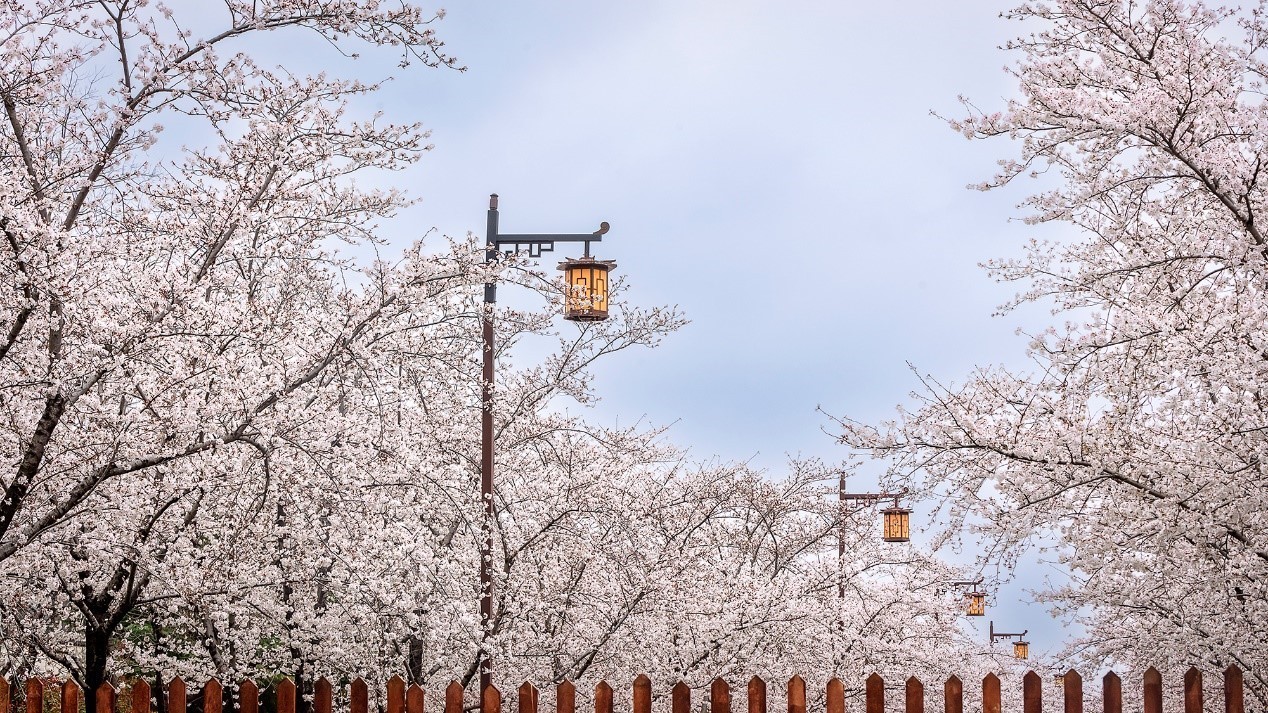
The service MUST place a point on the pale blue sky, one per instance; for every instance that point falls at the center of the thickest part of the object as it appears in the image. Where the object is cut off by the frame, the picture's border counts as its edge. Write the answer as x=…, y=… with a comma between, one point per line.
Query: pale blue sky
x=785, y=152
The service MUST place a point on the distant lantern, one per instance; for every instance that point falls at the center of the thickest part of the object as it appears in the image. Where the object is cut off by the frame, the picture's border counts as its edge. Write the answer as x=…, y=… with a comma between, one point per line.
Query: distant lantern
x=897, y=526
x=1021, y=649
x=977, y=604
x=586, y=288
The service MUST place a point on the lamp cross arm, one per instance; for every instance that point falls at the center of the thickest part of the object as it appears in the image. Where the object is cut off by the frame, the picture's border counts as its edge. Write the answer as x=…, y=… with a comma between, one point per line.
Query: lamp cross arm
x=873, y=497
x=525, y=238
x=538, y=243
x=1002, y=635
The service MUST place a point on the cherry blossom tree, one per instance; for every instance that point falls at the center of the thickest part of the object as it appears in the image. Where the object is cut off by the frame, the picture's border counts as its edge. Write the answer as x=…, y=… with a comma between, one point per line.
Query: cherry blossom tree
x=171, y=310
x=1137, y=438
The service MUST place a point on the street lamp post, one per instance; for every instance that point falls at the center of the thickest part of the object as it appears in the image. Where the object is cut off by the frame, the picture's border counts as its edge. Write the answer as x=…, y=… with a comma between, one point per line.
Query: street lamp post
x=976, y=598
x=585, y=301
x=895, y=528
x=1021, y=647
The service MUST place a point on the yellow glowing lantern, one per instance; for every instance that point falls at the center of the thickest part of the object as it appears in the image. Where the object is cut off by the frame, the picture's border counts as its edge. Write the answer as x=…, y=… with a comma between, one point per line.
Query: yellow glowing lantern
x=977, y=604
x=586, y=288
x=1021, y=649
x=897, y=526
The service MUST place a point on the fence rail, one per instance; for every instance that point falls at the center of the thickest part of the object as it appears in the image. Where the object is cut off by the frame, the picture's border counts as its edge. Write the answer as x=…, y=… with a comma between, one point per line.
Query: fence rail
x=409, y=698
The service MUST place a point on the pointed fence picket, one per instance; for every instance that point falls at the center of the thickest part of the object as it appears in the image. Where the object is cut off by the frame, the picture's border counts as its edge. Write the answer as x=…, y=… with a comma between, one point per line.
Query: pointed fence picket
x=528, y=698
x=796, y=695
x=836, y=696
x=400, y=697
x=719, y=697
x=1234, y=698
x=1031, y=693
x=176, y=695
x=1072, y=691
x=953, y=695
x=453, y=697
x=914, y=696
x=1112, y=689
x=990, y=694
x=642, y=694
x=323, y=696
x=874, y=694
x=756, y=695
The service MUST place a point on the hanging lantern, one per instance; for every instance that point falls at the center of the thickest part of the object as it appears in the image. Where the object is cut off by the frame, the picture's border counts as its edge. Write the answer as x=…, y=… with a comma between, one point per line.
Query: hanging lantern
x=977, y=604
x=897, y=526
x=1021, y=649
x=586, y=289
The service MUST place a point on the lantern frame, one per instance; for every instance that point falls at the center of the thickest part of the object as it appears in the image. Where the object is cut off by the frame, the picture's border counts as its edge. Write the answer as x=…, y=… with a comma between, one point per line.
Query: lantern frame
x=1021, y=649
x=976, y=605
x=586, y=288
x=896, y=524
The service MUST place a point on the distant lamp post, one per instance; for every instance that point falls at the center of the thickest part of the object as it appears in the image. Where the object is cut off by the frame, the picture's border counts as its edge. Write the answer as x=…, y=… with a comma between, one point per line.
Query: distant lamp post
x=1021, y=647
x=896, y=525
x=585, y=301
x=975, y=599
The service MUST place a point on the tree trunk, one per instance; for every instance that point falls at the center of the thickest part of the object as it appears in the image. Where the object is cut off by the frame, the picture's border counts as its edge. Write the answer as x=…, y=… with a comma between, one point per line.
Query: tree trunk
x=96, y=654
x=414, y=660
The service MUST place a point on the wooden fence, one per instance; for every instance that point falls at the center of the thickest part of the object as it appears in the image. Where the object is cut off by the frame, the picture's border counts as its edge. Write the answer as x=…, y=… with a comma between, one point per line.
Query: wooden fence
x=402, y=698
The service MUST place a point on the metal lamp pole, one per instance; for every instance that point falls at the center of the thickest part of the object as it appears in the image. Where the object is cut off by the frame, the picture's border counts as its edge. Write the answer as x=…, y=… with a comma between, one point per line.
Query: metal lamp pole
x=496, y=244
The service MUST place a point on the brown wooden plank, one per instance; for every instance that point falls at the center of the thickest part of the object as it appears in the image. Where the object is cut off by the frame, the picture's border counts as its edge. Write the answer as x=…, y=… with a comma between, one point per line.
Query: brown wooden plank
x=526, y=698
x=990, y=694
x=286, y=698
x=565, y=697
x=140, y=695
x=1234, y=701
x=213, y=696
x=414, y=698
x=602, y=698
x=176, y=695
x=6, y=695
x=642, y=694
x=105, y=698
x=756, y=695
x=1193, y=690
x=874, y=694
x=453, y=697
x=323, y=696
x=396, y=695
x=248, y=697
x=836, y=696
x=1031, y=693
x=491, y=700
x=1153, y=690
x=1072, y=691
x=34, y=696
x=796, y=695
x=719, y=697
x=70, y=697
x=914, y=700
x=680, y=697
x=1112, y=692
x=953, y=695
x=359, y=698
